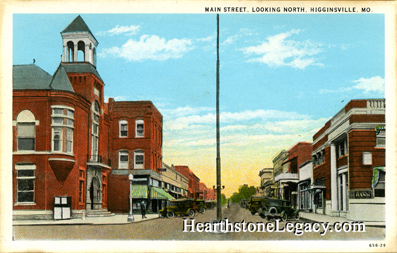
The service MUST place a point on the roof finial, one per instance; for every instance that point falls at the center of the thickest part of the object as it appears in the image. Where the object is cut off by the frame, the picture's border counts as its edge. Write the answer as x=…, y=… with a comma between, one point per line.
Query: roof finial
x=34, y=60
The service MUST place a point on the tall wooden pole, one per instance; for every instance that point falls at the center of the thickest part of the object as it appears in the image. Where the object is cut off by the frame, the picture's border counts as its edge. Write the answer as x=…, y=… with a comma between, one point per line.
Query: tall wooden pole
x=218, y=149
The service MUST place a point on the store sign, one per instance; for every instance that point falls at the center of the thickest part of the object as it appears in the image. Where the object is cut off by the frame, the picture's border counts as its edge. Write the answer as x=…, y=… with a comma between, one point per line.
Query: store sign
x=361, y=194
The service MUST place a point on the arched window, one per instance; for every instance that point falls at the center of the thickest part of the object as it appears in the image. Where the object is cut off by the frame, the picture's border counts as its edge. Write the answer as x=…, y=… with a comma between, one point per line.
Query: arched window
x=26, y=130
x=81, y=51
x=70, y=51
x=95, y=131
x=139, y=128
x=139, y=159
x=123, y=159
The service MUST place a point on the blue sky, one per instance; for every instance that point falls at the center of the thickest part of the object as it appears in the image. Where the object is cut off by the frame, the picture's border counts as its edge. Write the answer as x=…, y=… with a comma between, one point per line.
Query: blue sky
x=282, y=76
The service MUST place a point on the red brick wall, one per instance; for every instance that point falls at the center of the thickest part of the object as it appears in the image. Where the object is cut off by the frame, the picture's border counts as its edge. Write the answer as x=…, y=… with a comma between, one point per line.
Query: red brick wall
x=46, y=184
x=324, y=171
x=358, y=118
x=355, y=104
x=320, y=142
x=360, y=176
x=118, y=193
x=322, y=130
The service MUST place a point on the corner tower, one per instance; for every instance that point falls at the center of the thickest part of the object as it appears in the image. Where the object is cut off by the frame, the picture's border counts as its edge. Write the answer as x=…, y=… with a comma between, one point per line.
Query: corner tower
x=79, y=44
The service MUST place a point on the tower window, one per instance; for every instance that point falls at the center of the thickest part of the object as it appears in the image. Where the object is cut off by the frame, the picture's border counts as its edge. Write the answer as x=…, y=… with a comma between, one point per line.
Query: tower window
x=62, y=129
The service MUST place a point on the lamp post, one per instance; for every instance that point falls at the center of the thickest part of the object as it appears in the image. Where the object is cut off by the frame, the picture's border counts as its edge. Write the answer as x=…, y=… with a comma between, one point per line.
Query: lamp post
x=130, y=217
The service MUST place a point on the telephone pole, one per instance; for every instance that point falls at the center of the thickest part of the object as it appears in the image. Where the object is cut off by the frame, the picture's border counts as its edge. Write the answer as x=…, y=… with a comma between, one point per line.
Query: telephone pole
x=218, y=149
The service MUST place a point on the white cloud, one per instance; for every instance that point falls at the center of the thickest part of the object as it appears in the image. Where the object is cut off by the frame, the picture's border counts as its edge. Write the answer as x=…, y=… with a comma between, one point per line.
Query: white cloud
x=277, y=51
x=127, y=30
x=150, y=48
x=374, y=84
x=368, y=85
x=184, y=122
x=183, y=111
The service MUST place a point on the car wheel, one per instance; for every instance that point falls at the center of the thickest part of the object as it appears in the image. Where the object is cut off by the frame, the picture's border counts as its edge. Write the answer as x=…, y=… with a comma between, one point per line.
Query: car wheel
x=273, y=210
x=202, y=210
x=297, y=216
x=262, y=215
x=170, y=214
x=195, y=212
x=191, y=213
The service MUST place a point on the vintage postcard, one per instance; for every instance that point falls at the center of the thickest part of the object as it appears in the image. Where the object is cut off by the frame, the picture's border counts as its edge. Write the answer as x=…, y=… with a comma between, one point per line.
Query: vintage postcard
x=198, y=126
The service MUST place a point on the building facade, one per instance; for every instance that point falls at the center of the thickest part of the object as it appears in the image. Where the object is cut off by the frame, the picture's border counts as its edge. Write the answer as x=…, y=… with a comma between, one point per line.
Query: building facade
x=349, y=162
x=60, y=131
x=174, y=182
x=288, y=176
x=194, y=181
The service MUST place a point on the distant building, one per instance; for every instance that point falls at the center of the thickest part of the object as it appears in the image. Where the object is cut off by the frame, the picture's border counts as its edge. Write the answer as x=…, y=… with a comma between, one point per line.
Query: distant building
x=173, y=181
x=194, y=181
x=287, y=178
x=267, y=186
x=349, y=162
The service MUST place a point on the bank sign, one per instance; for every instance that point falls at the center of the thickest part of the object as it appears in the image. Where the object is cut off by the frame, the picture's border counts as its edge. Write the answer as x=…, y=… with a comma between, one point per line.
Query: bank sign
x=361, y=194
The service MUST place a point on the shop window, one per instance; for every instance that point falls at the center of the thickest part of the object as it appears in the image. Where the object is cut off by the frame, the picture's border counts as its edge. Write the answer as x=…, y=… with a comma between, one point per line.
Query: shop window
x=25, y=131
x=123, y=160
x=138, y=159
x=139, y=128
x=25, y=183
x=123, y=126
x=62, y=129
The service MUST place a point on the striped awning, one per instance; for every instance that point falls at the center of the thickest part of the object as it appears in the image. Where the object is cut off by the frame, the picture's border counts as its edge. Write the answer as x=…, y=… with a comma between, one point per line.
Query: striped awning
x=139, y=192
x=158, y=193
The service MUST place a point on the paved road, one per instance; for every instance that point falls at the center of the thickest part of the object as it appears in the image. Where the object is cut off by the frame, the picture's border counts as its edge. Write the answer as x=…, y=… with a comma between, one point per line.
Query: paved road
x=171, y=229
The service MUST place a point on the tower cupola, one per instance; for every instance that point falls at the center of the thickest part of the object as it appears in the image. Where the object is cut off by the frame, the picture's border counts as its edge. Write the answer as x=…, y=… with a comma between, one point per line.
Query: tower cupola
x=79, y=44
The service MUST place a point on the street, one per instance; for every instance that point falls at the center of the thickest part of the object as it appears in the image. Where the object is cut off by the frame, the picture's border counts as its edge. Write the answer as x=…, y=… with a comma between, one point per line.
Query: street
x=171, y=229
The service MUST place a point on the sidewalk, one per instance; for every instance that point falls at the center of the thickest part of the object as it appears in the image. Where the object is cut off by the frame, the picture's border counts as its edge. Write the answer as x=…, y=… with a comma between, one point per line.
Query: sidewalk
x=114, y=219
x=332, y=219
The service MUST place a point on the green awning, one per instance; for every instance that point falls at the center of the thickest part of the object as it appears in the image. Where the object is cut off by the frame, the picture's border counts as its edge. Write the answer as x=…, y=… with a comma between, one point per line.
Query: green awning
x=139, y=192
x=158, y=193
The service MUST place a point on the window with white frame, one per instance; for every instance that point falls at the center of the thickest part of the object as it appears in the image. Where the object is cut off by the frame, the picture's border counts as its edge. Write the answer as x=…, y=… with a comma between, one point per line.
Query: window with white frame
x=25, y=131
x=139, y=128
x=62, y=128
x=123, y=159
x=381, y=138
x=123, y=126
x=95, y=131
x=25, y=183
x=138, y=159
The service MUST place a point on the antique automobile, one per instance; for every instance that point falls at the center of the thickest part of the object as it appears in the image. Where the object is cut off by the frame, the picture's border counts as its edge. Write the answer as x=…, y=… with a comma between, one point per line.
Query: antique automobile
x=199, y=205
x=181, y=207
x=278, y=208
x=255, y=204
x=210, y=204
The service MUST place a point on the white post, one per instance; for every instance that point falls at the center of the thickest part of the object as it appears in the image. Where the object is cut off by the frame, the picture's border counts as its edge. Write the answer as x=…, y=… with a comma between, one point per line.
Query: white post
x=130, y=217
x=334, y=181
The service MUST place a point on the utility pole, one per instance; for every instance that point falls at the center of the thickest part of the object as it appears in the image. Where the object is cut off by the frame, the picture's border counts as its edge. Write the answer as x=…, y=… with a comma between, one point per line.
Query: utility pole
x=218, y=149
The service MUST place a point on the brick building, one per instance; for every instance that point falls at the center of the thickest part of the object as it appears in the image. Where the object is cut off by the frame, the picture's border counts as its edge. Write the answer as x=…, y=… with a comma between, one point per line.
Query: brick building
x=349, y=162
x=67, y=142
x=60, y=131
x=194, y=181
x=287, y=177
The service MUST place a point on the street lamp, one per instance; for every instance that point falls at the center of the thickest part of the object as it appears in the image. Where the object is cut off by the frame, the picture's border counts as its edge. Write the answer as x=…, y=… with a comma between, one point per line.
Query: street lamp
x=130, y=217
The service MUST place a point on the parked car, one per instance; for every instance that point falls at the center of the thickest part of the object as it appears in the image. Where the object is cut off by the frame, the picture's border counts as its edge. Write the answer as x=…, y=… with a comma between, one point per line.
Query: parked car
x=210, y=204
x=182, y=207
x=278, y=208
x=255, y=203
